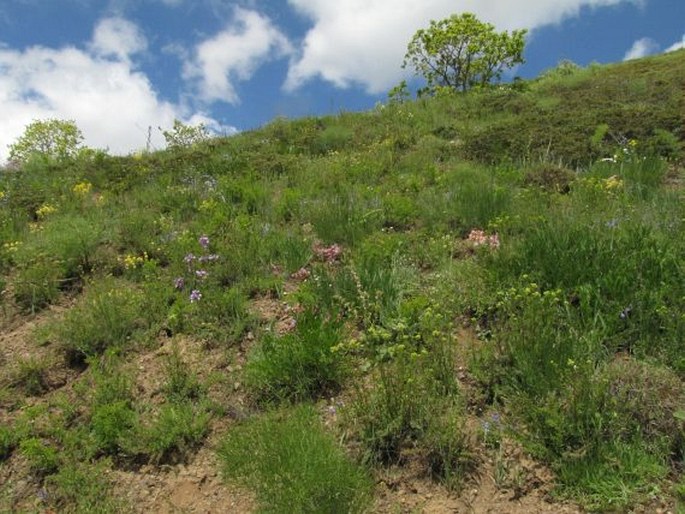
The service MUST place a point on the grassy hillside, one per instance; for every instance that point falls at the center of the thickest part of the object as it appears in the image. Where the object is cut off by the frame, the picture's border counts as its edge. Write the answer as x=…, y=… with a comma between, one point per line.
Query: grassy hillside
x=467, y=302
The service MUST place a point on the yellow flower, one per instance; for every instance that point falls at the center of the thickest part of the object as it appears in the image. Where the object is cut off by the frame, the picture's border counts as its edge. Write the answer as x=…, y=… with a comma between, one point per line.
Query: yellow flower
x=82, y=188
x=45, y=210
x=11, y=246
x=2, y=195
x=613, y=182
x=131, y=261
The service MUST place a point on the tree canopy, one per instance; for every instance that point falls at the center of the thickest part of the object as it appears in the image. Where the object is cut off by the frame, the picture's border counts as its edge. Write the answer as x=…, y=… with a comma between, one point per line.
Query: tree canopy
x=52, y=138
x=461, y=52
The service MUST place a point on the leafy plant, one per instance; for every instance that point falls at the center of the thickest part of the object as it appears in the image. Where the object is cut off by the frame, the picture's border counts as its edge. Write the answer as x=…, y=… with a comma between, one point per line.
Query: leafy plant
x=52, y=139
x=298, y=365
x=461, y=52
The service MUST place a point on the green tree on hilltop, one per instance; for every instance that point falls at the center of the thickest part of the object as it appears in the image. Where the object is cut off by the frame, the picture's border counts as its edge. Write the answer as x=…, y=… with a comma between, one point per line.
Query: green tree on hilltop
x=461, y=52
x=52, y=138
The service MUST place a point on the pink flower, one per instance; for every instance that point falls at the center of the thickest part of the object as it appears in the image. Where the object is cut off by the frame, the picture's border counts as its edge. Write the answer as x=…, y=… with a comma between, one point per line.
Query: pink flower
x=301, y=274
x=328, y=253
x=480, y=238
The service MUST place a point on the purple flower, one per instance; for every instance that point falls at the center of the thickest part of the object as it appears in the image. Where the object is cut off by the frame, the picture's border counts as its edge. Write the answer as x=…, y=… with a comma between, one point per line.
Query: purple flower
x=189, y=258
x=179, y=283
x=204, y=242
x=208, y=258
x=201, y=274
x=195, y=296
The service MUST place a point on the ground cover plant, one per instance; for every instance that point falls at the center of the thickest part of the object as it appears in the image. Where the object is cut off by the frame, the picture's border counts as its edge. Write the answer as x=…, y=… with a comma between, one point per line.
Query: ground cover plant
x=361, y=312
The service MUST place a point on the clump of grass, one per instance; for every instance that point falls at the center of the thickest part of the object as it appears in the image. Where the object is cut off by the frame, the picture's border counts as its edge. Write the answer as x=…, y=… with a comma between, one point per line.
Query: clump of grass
x=178, y=427
x=36, y=285
x=414, y=409
x=549, y=177
x=43, y=458
x=294, y=465
x=81, y=488
x=31, y=376
x=182, y=383
x=106, y=317
x=299, y=365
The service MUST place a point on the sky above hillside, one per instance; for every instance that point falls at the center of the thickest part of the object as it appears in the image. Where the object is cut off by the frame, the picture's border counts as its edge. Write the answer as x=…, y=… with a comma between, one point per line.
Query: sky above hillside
x=123, y=69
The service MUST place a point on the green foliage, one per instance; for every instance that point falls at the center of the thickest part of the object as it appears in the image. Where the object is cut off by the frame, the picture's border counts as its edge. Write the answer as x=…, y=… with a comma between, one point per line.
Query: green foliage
x=294, y=465
x=42, y=457
x=298, y=365
x=461, y=52
x=8, y=441
x=106, y=317
x=36, y=285
x=51, y=139
x=82, y=488
x=31, y=376
x=185, y=136
x=178, y=427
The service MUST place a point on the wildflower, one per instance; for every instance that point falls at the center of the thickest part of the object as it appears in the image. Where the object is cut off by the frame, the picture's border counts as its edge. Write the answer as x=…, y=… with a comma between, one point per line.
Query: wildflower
x=204, y=242
x=201, y=274
x=189, y=258
x=328, y=253
x=480, y=238
x=613, y=223
x=208, y=258
x=301, y=274
x=613, y=182
x=44, y=210
x=2, y=195
x=82, y=188
x=195, y=296
x=179, y=283
x=625, y=313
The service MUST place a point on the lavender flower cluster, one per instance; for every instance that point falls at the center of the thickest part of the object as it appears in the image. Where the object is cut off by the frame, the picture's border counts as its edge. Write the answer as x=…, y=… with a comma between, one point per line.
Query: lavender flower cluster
x=196, y=274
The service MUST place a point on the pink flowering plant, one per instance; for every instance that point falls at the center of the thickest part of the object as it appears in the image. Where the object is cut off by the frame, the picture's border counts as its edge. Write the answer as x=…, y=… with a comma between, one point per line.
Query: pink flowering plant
x=479, y=237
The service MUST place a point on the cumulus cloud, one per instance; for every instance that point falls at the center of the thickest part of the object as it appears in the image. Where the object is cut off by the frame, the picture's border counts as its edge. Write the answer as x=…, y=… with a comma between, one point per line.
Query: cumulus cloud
x=364, y=41
x=98, y=87
x=641, y=48
x=117, y=37
x=234, y=54
x=676, y=46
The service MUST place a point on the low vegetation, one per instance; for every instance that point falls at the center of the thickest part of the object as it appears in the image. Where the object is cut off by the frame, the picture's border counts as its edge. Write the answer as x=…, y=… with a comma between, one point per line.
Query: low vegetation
x=320, y=301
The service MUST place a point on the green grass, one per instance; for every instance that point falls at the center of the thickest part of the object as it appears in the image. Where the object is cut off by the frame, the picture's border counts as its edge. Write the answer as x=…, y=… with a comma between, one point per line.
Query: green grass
x=571, y=326
x=293, y=465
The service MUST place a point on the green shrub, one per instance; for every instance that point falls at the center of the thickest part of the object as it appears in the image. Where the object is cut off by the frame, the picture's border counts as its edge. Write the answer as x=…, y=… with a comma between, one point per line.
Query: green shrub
x=82, y=488
x=31, y=376
x=43, y=458
x=331, y=139
x=415, y=408
x=550, y=178
x=177, y=428
x=36, y=285
x=8, y=441
x=112, y=425
x=181, y=383
x=294, y=465
x=106, y=317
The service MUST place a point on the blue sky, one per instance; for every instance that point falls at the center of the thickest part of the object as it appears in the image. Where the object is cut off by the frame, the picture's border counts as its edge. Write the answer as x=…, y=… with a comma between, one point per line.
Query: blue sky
x=118, y=67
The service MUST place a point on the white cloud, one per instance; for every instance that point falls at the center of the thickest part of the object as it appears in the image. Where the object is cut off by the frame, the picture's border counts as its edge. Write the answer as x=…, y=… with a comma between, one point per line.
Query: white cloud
x=676, y=46
x=117, y=37
x=364, y=41
x=111, y=101
x=641, y=48
x=233, y=55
